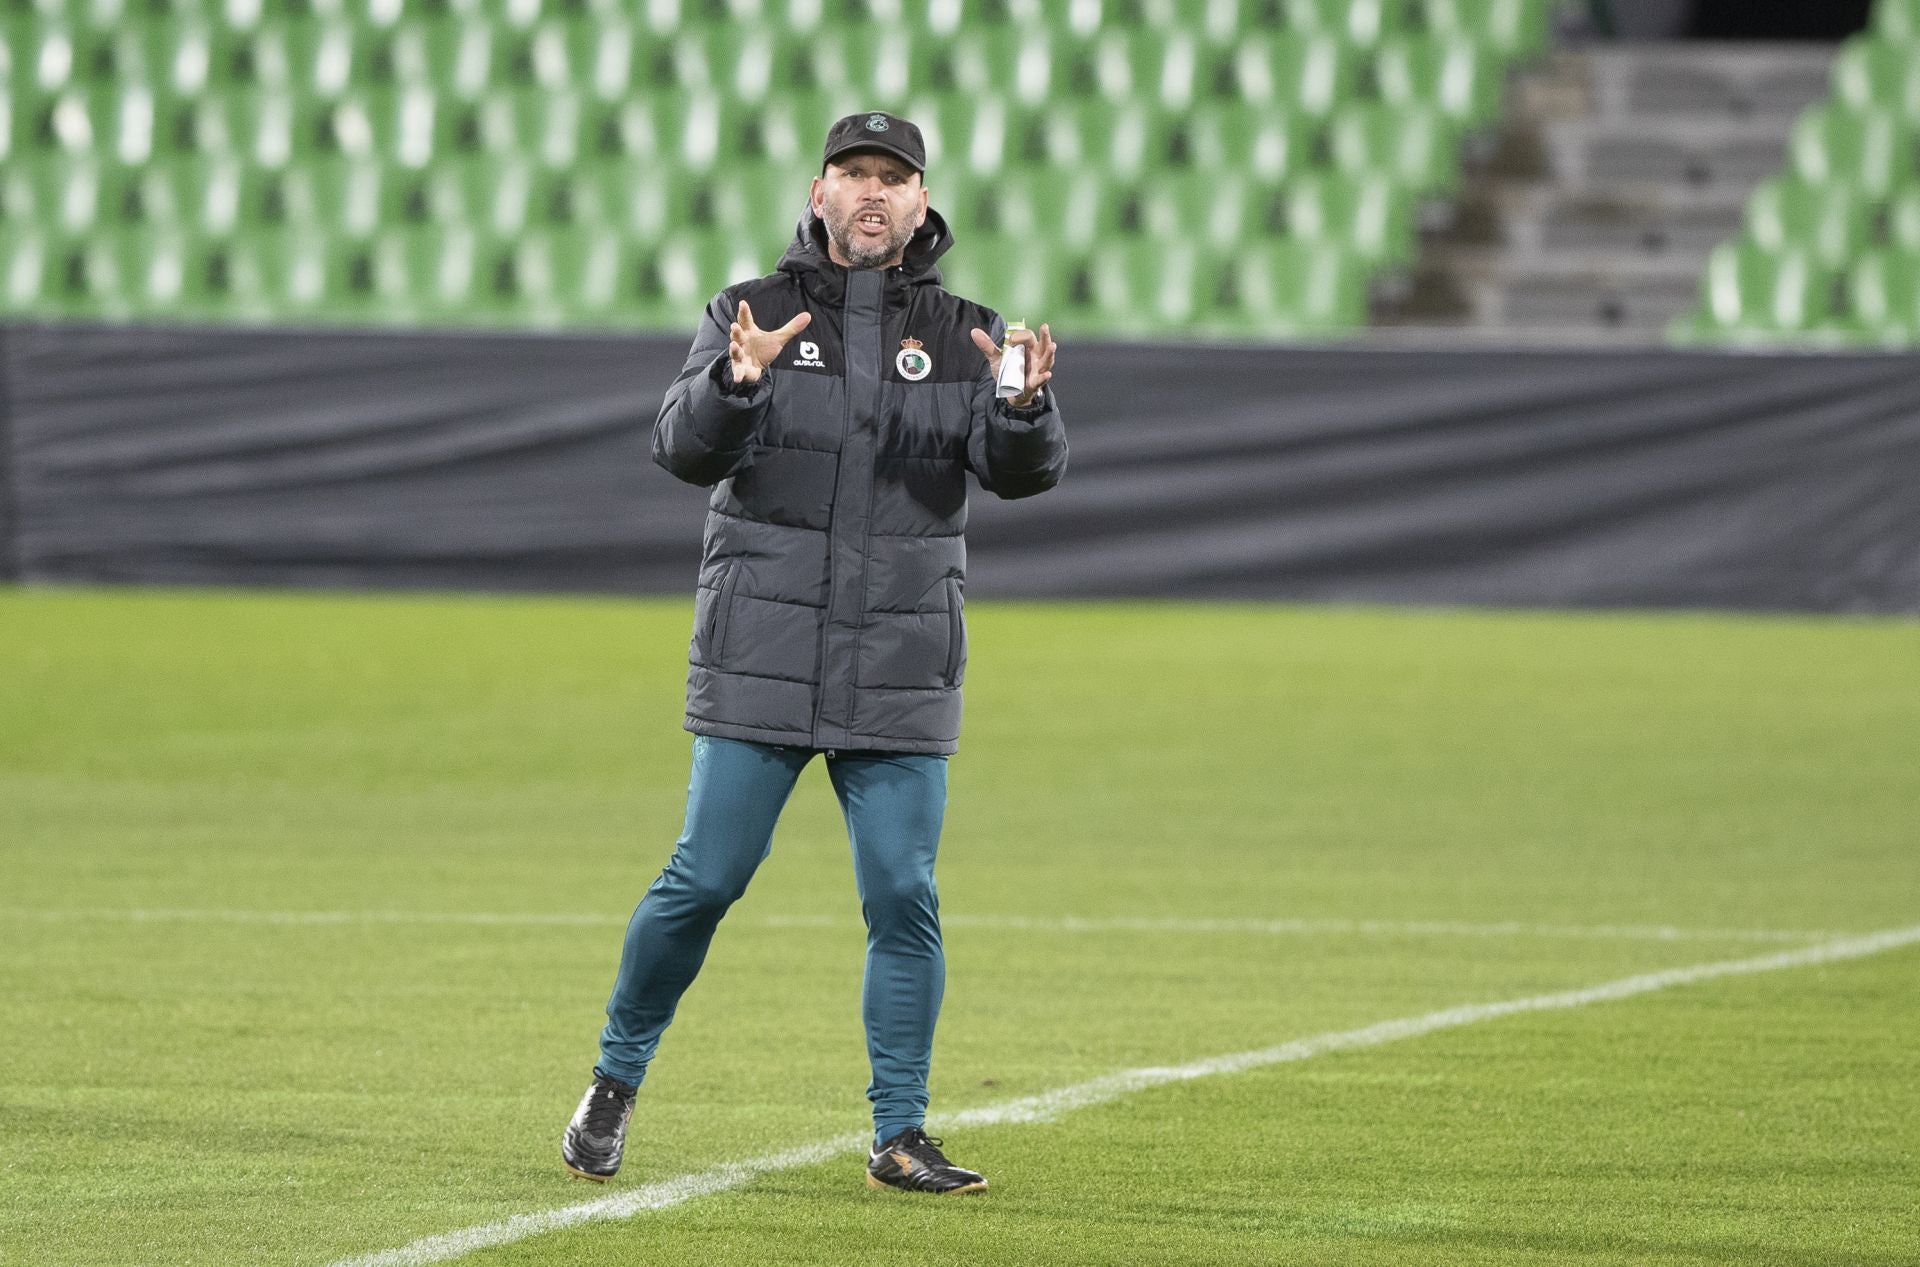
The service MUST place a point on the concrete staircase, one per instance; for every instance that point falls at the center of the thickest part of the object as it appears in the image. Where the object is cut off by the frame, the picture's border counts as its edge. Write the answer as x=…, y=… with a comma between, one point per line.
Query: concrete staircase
x=1589, y=215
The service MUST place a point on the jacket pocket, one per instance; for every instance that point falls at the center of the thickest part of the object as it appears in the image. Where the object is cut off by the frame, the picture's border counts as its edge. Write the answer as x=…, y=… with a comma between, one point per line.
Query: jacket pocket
x=956, y=634
x=722, y=610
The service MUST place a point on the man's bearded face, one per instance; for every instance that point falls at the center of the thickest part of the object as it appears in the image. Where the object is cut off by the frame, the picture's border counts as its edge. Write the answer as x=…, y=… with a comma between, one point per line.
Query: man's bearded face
x=871, y=203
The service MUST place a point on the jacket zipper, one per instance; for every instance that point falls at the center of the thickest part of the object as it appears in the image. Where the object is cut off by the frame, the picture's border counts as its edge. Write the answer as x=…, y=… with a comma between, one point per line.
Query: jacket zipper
x=833, y=503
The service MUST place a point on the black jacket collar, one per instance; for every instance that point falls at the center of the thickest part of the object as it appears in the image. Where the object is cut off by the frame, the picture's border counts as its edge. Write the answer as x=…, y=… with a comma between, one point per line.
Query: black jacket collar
x=807, y=259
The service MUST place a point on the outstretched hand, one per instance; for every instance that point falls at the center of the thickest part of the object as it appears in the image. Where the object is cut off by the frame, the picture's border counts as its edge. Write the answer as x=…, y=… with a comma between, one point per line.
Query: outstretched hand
x=752, y=349
x=1040, y=348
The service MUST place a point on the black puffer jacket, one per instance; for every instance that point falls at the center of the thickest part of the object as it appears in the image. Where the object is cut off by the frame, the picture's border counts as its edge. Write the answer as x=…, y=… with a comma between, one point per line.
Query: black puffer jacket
x=828, y=613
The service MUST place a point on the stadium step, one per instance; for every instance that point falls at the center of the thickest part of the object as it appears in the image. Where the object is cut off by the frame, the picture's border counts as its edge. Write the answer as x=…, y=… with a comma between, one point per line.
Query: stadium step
x=1571, y=288
x=1592, y=209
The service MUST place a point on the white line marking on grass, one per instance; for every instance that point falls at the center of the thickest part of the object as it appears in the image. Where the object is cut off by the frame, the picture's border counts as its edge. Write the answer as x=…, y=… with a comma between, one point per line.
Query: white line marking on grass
x=1050, y=1104
x=1019, y=923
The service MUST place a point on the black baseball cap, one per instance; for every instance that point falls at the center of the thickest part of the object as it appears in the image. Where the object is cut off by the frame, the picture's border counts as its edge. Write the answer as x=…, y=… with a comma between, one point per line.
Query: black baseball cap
x=876, y=130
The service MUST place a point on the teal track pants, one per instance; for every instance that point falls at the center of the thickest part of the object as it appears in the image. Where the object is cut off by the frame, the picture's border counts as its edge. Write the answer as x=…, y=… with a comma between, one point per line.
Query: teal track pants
x=894, y=804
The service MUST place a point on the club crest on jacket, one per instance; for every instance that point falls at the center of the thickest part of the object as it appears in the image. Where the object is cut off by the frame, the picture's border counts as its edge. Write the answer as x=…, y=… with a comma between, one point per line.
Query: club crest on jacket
x=913, y=362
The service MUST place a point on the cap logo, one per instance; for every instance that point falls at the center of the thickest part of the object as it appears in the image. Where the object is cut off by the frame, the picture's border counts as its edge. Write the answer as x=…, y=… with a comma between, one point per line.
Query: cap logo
x=876, y=123
x=913, y=363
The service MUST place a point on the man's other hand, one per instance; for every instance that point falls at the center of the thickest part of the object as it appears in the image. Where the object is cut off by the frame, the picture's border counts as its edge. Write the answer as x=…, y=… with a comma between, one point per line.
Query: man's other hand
x=752, y=349
x=1040, y=348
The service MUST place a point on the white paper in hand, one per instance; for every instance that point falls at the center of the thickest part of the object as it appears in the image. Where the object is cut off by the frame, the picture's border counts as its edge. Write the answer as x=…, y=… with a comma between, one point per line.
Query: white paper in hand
x=1013, y=365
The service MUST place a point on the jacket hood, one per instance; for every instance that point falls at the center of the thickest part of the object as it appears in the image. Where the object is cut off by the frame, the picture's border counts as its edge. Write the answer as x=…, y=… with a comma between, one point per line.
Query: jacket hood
x=807, y=253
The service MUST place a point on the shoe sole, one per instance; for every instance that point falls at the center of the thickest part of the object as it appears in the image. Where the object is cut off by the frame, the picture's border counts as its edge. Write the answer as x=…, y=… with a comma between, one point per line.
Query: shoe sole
x=572, y=1170
x=875, y=1182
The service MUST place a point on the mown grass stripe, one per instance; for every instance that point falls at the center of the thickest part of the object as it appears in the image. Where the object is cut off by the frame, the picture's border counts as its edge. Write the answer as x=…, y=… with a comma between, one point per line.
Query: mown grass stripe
x=445, y=1246
x=1011, y=923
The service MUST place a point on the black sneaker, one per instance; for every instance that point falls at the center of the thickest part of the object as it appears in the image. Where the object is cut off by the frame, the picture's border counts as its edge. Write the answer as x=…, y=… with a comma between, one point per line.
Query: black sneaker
x=913, y=1161
x=597, y=1136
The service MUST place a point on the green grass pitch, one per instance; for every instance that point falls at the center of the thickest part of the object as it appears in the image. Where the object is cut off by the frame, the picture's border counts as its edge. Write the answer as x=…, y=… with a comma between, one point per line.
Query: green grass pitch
x=308, y=906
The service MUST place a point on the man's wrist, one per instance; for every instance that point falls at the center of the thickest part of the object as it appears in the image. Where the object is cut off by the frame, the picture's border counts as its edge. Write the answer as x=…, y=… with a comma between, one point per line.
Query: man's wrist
x=728, y=385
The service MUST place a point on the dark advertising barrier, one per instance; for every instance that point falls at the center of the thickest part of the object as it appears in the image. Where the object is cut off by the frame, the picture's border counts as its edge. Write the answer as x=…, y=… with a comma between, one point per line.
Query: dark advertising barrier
x=1642, y=478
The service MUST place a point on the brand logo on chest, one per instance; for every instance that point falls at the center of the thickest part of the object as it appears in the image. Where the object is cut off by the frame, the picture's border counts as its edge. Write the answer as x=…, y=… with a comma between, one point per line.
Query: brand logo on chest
x=809, y=357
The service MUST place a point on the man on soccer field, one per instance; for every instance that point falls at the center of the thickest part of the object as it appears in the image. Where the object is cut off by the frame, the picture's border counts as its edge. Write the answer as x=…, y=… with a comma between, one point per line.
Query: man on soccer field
x=835, y=406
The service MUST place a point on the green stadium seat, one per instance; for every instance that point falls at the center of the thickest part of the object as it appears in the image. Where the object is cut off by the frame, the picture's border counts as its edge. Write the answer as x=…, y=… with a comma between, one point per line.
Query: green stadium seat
x=505, y=15
x=962, y=135
x=453, y=57
x=693, y=267
x=1369, y=217
x=16, y=47
x=1221, y=23
x=1244, y=136
x=1455, y=75
x=332, y=193
x=314, y=56
x=966, y=201
x=597, y=58
x=1165, y=69
x=201, y=195
x=428, y=273
x=1359, y=22
x=61, y=192
x=689, y=131
x=1749, y=291
x=1897, y=20
x=280, y=274
x=1414, y=147
x=264, y=127
x=1015, y=274
x=1903, y=220
x=369, y=14
x=1216, y=209
x=19, y=117
x=204, y=12
x=495, y=195
x=1310, y=74
x=172, y=59
x=1287, y=287
x=47, y=56
x=1141, y=287
x=119, y=274
x=548, y=128
x=1071, y=18
x=108, y=122
x=1510, y=29
x=707, y=59
x=789, y=127
x=1076, y=209
x=1874, y=74
x=631, y=197
x=407, y=125
x=1869, y=151
x=1883, y=295
x=1830, y=221
x=1120, y=141
x=29, y=269
x=641, y=296
x=1007, y=63
x=549, y=276
x=756, y=203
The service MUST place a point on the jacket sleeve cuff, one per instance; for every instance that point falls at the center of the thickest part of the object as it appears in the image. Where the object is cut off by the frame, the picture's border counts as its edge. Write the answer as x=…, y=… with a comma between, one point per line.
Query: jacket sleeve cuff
x=1031, y=411
x=725, y=384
